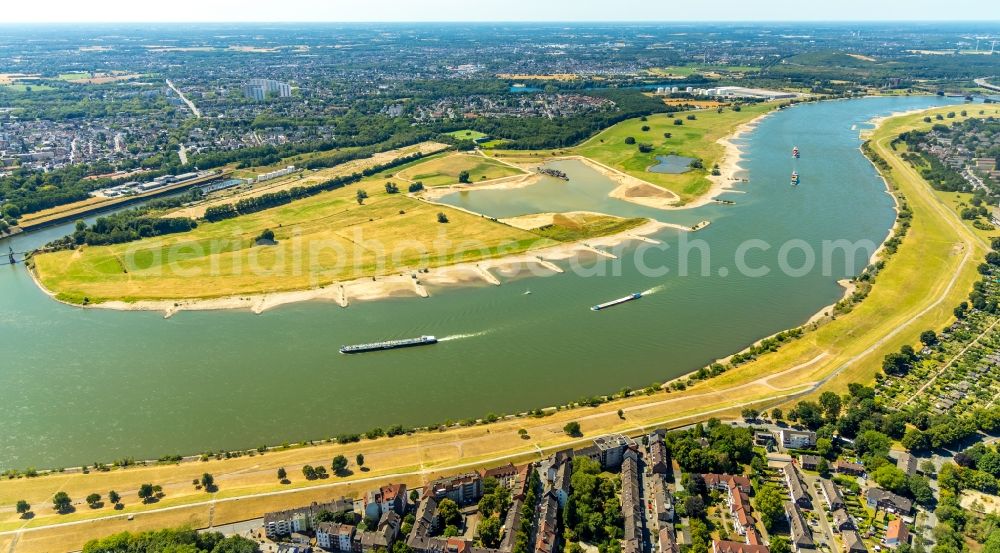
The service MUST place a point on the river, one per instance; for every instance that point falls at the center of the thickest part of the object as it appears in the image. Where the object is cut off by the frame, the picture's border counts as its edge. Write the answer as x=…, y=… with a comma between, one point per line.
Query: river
x=85, y=385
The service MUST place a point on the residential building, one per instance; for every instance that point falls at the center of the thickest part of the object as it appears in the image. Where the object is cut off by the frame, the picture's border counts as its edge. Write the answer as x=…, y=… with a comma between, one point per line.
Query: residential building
x=663, y=500
x=896, y=533
x=382, y=538
x=631, y=503
x=560, y=484
x=739, y=507
x=608, y=450
x=424, y=524
x=852, y=542
x=796, y=490
x=283, y=523
x=831, y=494
x=464, y=489
x=764, y=439
x=658, y=458
x=260, y=89
x=547, y=525
x=523, y=481
x=841, y=521
x=723, y=482
x=504, y=474
x=797, y=439
x=393, y=498
x=907, y=463
x=845, y=467
x=887, y=501
x=809, y=462
x=668, y=540
x=335, y=537
x=801, y=536
x=721, y=546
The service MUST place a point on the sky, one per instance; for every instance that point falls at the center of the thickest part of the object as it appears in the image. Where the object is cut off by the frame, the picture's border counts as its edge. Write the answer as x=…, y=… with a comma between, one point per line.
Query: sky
x=72, y=11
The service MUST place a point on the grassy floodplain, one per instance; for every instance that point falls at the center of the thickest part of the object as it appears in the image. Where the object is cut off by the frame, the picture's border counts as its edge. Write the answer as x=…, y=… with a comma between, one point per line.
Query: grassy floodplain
x=222, y=259
x=137, y=270
x=698, y=138
x=931, y=272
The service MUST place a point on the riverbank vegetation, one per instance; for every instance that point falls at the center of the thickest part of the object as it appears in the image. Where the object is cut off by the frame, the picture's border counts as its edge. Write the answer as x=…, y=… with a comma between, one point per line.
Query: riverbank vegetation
x=128, y=225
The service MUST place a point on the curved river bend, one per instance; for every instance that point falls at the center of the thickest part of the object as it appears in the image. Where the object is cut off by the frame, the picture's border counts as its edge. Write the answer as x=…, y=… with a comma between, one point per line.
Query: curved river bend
x=79, y=386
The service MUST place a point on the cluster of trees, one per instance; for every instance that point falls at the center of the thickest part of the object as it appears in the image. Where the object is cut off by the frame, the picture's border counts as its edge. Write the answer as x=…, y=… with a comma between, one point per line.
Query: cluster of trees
x=728, y=448
x=313, y=473
x=769, y=501
x=370, y=133
x=273, y=199
x=533, y=133
x=946, y=429
x=899, y=363
x=492, y=511
x=937, y=174
x=343, y=517
x=954, y=522
x=593, y=512
x=126, y=226
x=182, y=539
x=767, y=345
x=449, y=518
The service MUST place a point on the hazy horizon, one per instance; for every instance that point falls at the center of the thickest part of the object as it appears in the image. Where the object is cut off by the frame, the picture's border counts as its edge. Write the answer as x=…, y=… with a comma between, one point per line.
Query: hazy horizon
x=513, y=11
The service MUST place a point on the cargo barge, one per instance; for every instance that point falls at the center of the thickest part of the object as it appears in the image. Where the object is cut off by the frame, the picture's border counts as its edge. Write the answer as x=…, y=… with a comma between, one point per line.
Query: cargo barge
x=390, y=344
x=618, y=301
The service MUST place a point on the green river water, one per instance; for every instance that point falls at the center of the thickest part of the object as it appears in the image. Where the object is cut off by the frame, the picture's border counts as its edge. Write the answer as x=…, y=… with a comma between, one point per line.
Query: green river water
x=78, y=386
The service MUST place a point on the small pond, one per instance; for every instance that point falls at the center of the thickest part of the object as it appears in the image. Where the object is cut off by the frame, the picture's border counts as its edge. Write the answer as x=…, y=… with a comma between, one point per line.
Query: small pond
x=672, y=164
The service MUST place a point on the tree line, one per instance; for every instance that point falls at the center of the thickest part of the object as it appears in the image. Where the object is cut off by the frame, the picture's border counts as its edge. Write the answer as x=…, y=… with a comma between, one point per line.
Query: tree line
x=273, y=199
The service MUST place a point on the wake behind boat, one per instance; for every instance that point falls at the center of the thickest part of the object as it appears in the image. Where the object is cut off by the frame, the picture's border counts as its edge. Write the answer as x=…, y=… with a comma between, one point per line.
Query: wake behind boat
x=618, y=301
x=390, y=344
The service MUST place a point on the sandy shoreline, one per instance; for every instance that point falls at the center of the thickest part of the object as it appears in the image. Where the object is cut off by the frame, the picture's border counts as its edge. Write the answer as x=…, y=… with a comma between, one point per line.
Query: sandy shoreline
x=409, y=284
x=635, y=190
